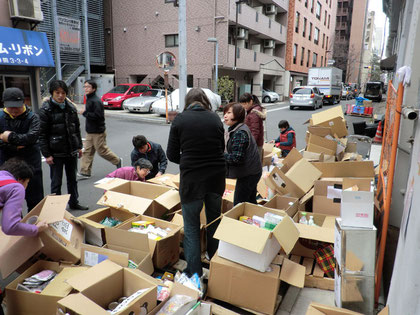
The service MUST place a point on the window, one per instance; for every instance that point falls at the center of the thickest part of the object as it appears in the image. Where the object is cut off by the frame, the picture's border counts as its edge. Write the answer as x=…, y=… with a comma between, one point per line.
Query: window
x=297, y=22
x=314, y=59
x=171, y=40
x=309, y=57
x=329, y=16
x=318, y=10
x=306, y=3
x=310, y=31
x=304, y=27
x=302, y=56
x=325, y=18
x=326, y=44
x=312, y=6
x=330, y=3
x=323, y=40
x=322, y=60
x=316, y=35
x=295, y=48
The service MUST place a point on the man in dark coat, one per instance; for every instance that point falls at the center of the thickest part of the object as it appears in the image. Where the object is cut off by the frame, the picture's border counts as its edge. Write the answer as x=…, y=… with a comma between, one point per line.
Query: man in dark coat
x=19, y=133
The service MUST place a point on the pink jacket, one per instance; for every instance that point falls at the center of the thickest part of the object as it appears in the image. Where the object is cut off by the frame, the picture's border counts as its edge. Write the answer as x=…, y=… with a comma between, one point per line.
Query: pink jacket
x=126, y=172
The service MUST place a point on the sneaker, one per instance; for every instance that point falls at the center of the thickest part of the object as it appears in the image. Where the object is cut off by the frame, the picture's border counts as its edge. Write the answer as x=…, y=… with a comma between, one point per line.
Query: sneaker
x=120, y=163
x=78, y=206
x=83, y=176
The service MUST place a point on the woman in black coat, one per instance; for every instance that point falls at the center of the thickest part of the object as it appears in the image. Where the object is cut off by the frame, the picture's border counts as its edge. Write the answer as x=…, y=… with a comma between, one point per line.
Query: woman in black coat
x=196, y=143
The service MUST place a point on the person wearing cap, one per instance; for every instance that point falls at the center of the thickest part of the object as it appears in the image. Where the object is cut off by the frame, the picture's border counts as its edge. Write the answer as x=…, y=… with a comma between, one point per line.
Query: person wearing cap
x=19, y=133
x=95, y=132
x=138, y=171
x=60, y=141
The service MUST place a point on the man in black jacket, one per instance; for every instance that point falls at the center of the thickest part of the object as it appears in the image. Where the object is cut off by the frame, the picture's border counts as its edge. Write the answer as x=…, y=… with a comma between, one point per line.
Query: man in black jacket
x=150, y=151
x=60, y=141
x=95, y=132
x=19, y=133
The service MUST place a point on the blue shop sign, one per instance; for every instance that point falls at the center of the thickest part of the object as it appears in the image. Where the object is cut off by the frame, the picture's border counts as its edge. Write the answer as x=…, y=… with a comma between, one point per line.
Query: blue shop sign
x=24, y=48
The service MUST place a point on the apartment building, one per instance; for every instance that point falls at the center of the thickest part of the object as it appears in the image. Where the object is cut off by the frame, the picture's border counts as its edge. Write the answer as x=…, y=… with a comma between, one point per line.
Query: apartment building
x=368, y=49
x=310, y=30
x=141, y=31
x=349, y=38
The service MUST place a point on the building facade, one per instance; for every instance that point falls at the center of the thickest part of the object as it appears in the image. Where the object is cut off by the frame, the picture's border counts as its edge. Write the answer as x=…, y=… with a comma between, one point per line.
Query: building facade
x=368, y=50
x=144, y=31
x=348, y=39
x=310, y=30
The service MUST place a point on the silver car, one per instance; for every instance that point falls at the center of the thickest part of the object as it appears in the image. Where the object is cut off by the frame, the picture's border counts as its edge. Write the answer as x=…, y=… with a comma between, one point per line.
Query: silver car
x=269, y=96
x=143, y=103
x=306, y=96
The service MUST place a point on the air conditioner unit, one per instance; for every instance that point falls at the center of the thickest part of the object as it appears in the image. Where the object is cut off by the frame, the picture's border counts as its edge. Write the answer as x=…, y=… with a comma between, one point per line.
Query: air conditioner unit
x=26, y=10
x=270, y=9
x=268, y=43
x=242, y=33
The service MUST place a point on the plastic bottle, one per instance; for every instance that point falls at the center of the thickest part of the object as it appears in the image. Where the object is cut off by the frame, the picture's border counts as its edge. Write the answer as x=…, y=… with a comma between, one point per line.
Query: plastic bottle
x=303, y=218
x=311, y=220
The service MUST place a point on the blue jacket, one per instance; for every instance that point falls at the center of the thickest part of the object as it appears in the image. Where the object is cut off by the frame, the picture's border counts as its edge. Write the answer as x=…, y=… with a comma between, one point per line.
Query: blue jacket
x=155, y=155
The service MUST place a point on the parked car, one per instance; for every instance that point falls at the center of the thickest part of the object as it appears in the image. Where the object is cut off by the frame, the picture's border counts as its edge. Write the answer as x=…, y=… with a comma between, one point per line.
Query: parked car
x=374, y=91
x=159, y=106
x=346, y=93
x=306, y=96
x=143, y=102
x=116, y=97
x=269, y=96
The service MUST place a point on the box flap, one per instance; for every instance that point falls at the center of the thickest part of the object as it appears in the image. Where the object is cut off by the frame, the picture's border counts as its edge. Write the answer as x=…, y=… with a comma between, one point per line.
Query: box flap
x=137, y=205
x=81, y=305
x=108, y=183
x=385, y=311
x=93, y=255
x=59, y=286
x=346, y=169
x=321, y=309
x=178, y=219
x=325, y=115
x=337, y=125
x=286, y=234
x=292, y=273
x=93, y=275
x=329, y=146
x=169, y=199
x=128, y=239
x=165, y=179
x=317, y=233
x=241, y=234
x=320, y=131
x=53, y=208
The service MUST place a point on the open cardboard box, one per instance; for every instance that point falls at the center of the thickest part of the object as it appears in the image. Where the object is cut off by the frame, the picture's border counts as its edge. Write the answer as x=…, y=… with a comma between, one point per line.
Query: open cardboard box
x=321, y=145
x=121, y=246
x=250, y=245
x=317, y=157
x=296, y=177
x=94, y=230
x=323, y=231
x=327, y=196
x=249, y=288
x=164, y=251
x=106, y=282
x=287, y=204
x=332, y=118
x=61, y=241
x=267, y=154
x=165, y=179
x=321, y=309
x=363, y=169
x=141, y=198
x=22, y=302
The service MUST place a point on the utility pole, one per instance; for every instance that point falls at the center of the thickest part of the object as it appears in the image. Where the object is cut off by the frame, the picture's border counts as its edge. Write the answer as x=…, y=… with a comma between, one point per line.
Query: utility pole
x=86, y=39
x=56, y=41
x=182, y=48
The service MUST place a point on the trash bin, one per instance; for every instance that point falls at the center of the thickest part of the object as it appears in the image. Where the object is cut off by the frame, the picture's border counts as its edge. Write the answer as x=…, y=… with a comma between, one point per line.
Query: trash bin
x=359, y=127
x=371, y=131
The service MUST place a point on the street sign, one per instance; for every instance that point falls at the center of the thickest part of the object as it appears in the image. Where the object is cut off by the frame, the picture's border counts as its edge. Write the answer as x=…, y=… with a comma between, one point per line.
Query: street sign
x=330, y=62
x=165, y=60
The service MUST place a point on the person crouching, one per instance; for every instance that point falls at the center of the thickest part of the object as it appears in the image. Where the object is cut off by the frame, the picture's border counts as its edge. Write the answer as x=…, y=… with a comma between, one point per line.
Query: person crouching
x=137, y=172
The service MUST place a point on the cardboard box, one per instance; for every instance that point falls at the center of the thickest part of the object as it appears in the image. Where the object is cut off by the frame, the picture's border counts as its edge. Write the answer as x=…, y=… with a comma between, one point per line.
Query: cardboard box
x=94, y=230
x=323, y=231
x=357, y=204
x=267, y=154
x=121, y=246
x=245, y=287
x=363, y=169
x=321, y=309
x=296, y=177
x=164, y=251
x=141, y=198
x=165, y=179
x=287, y=204
x=317, y=157
x=23, y=302
x=332, y=118
x=15, y=250
x=250, y=245
x=327, y=196
x=106, y=282
x=319, y=144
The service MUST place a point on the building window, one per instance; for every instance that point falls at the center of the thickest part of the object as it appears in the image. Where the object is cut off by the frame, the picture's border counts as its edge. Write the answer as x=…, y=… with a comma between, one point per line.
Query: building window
x=323, y=40
x=304, y=27
x=316, y=35
x=297, y=22
x=171, y=40
x=295, y=48
x=326, y=44
x=322, y=60
x=256, y=16
x=306, y=3
x=302, y=56
x=318, y=10
x=309, y=58
x=325, y=18
x=312, y=6
x=329, y=16
x=310, y=31
x=314, y=59
x=330, y=3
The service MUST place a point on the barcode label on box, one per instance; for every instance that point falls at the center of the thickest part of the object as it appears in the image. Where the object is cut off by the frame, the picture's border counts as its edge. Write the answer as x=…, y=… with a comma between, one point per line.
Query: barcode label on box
x=92, y=259
x=63, y=228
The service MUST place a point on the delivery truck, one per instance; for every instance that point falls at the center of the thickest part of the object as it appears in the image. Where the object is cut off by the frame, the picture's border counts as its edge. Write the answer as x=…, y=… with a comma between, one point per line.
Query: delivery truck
x=329, y=81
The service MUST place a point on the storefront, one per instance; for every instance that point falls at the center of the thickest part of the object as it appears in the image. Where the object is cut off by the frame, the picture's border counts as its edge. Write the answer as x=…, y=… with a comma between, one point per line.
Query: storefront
x=22, y=53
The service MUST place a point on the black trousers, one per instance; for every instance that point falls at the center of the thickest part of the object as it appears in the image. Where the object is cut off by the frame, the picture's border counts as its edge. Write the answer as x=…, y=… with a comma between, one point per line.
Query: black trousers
x=56, y=175
x=246, y=189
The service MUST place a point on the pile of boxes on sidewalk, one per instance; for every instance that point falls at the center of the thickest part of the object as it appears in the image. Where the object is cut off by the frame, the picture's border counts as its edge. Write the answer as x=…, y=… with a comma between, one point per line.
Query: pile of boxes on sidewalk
x=122, y=258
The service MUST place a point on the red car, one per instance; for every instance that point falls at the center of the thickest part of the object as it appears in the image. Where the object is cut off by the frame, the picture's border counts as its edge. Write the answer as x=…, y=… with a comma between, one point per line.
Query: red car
x=116, y=97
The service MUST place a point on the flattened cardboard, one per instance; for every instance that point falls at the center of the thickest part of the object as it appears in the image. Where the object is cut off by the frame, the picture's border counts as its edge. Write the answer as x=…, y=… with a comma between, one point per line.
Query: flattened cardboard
x=292, y=273
x=363, y=169
x=321, y=309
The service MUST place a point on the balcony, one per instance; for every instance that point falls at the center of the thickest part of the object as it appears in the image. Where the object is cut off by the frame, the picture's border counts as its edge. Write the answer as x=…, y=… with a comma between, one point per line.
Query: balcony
x=262, y=27
x=248, y=60
x=283, y=5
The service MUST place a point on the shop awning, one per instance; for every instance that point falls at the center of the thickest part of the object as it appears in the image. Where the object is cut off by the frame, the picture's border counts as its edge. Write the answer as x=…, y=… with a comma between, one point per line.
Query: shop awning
x=24, y=48
x=388, y=63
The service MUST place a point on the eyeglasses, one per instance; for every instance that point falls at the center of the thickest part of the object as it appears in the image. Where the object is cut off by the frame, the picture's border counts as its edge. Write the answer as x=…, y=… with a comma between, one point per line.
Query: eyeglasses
x=147, y=170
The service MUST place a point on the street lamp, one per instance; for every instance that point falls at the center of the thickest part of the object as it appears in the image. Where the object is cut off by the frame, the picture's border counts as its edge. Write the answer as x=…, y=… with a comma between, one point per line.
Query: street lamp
x=238, y=2
x=216, y=62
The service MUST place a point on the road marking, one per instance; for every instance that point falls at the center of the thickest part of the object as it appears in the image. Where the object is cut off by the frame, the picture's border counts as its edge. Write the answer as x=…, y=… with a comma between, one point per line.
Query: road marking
x=275, y=109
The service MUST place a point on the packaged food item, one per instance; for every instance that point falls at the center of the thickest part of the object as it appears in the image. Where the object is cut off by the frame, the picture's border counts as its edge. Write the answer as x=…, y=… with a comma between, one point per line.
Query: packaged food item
x=246, y=219
x=142, y=224
x=174, y=304
x=110, y=221
x=258, y=221
x=272, y=218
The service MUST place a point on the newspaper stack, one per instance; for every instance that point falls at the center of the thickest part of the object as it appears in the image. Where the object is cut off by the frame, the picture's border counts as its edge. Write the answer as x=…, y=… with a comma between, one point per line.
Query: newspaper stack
x=37, y=282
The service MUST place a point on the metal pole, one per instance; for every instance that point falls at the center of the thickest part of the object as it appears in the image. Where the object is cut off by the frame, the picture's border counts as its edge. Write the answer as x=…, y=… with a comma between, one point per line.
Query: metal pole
x=235, y=96
x=56, y=41
x=182, y=43
x=86, y=39
x=216, y=87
